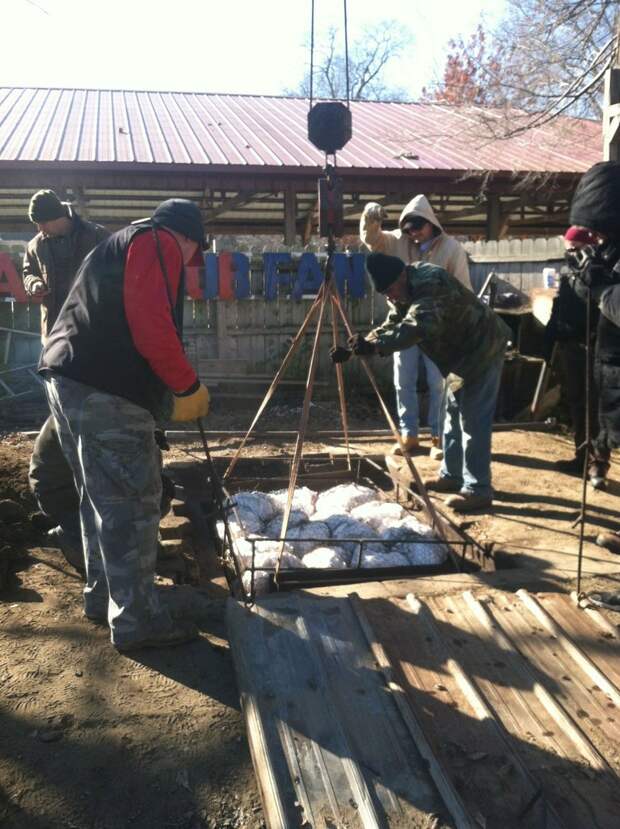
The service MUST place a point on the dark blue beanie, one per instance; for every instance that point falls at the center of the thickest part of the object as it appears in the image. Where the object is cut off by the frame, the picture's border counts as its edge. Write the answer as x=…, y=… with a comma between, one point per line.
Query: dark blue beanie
x=384, y=270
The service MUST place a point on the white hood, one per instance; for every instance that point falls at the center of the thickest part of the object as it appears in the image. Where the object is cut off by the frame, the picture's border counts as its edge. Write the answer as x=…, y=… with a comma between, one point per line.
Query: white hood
x=420, y=206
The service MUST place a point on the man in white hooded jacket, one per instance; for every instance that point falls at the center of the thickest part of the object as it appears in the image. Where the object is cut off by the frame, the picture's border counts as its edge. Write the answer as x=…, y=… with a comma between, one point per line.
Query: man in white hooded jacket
x=419, y=237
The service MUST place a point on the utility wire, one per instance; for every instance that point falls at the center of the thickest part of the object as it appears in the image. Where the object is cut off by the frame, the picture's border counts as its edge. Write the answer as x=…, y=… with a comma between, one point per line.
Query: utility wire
x=346, y=51
x=311, y=53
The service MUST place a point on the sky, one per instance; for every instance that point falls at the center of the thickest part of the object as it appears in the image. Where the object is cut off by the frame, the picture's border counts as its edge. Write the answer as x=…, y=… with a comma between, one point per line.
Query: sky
x=239, y=46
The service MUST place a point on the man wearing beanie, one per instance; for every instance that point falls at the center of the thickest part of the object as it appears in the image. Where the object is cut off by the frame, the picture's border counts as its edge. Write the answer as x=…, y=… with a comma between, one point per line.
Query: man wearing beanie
x=56, y=252
x=419, y=237
x=466, y=340
x=112, y=364
x=566, y=330
x=595, y=208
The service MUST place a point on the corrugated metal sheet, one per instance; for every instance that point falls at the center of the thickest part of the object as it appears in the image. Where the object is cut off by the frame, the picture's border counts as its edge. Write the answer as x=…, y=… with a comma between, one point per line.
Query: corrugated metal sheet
x=122, y=126
x=493, y=710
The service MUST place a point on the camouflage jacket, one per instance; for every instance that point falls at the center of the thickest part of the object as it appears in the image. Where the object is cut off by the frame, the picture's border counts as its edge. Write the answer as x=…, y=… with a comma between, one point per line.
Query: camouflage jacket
x=460, y=334
x=55, y=261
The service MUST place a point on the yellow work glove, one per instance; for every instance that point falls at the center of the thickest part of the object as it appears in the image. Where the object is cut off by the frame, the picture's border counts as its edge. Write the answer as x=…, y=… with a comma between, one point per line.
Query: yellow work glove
x=191, y=404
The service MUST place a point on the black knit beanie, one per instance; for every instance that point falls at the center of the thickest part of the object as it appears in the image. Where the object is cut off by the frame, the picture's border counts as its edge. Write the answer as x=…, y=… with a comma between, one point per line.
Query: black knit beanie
x=183, y=216
x=45, y=206
x=596, y=202
x=384, y=270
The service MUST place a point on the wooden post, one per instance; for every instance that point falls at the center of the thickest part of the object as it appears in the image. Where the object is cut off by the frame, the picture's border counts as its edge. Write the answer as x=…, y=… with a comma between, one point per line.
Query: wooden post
x=494, y=217
x=611, y=115
x=290, y=215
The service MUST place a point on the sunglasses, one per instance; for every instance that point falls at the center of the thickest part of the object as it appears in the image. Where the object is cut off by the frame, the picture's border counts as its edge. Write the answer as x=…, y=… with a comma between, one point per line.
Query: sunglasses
x=413, y=226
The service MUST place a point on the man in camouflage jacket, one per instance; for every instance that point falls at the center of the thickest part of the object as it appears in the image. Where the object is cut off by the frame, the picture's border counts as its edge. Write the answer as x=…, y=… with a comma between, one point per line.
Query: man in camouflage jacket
x=467, y=341
x=53, y=257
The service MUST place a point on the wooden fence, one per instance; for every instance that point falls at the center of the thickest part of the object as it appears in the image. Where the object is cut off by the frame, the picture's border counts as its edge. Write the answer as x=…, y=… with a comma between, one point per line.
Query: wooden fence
x=249, y=337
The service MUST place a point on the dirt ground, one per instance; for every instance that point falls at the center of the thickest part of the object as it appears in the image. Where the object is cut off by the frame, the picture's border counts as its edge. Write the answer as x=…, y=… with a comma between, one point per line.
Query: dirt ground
x=90, y=739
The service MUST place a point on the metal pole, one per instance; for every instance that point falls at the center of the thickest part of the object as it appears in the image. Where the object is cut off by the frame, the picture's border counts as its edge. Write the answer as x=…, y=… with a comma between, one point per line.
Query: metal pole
x=586, y=445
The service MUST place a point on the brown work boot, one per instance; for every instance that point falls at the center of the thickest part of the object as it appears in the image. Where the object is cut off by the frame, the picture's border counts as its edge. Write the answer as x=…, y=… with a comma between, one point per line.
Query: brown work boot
x=468, y=502
x=436, y=452
x=177, y=634
x=442, y=485
x=610, y=541
x=411, y=442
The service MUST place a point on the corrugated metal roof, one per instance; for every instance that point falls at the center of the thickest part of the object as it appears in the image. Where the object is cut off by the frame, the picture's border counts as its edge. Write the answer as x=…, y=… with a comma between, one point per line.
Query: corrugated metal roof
x=123, y=126
x=494, y=709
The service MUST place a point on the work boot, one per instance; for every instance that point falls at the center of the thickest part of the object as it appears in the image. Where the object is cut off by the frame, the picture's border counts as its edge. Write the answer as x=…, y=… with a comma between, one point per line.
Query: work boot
x=436, y=452
x=597, y=474
x=178, y=634
x=468, y=502
x=411, y=442
x=96, y=618
x=70, y=547
x=609, y=600
x=442, y=485
x=573, y=466
x=610, y=541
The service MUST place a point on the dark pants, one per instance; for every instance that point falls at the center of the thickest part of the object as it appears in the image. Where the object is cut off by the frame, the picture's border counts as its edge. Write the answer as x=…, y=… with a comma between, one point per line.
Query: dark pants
x=572, y=359
x=51, y=482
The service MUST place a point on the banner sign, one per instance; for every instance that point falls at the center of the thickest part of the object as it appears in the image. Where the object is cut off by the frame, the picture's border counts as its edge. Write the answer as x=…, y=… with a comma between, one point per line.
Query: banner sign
x=229, y=276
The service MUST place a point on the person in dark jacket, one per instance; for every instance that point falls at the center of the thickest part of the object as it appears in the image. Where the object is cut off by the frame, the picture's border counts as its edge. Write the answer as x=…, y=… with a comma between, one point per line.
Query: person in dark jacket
x=466, y=340
x=53, y=257
x=596, y=207
x=114, y=362
x=566, y=330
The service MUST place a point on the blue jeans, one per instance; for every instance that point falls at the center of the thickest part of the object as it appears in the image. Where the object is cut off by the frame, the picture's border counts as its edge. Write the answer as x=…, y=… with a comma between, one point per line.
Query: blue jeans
x=467, y=432
x=406, y=365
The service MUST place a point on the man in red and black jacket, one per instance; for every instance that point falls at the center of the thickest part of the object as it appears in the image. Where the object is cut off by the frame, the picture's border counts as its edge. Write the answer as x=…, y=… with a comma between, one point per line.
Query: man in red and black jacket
x=114, y=362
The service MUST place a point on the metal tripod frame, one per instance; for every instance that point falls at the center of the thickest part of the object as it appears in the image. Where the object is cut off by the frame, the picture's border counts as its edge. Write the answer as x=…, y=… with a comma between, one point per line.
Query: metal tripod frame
x=328, y=294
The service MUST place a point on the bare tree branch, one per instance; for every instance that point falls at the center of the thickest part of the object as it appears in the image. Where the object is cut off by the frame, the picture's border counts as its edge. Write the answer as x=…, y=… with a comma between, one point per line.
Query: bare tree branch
x=368, y=58
x=546, y=58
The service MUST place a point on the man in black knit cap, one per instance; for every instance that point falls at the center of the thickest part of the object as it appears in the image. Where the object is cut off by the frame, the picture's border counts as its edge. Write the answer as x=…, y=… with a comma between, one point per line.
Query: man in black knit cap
x=467, y=341
x=596, y=206
x=54, y=255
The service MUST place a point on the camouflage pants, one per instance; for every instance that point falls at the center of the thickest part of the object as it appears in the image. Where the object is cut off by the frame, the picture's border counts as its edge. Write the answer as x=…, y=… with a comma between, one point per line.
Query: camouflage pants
x=110, y=447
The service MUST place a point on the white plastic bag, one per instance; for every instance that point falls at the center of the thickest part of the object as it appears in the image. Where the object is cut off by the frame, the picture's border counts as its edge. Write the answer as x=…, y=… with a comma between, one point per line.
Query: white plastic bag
x=334, y=558
x=274, y=527
x=311, y=529
x=303, y=499
x=371, y=560
x=423, y=554
x=352, y=529
x=343, y=498
x=261, y=583
x=378, y=514
x=288, y=561
x=254, y=509
x=332, y=521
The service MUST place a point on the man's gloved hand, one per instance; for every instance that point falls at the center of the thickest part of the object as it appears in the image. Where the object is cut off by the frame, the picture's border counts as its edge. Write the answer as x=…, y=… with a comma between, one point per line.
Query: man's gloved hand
x=360, y=346
x=37, y=288
x=192, y=403
x=338, y=354
x=375, y=212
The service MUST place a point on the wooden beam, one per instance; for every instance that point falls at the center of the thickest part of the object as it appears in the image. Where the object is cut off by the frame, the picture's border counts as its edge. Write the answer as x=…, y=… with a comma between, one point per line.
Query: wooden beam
x=290, y=215
x=229, y=204
x=358, y=207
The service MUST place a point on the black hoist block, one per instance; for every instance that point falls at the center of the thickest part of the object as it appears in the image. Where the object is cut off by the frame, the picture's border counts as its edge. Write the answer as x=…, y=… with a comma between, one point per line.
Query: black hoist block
x=329, y=126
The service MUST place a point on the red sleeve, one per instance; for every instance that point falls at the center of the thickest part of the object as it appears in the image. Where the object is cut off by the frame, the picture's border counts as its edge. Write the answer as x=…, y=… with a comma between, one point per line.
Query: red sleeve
x=148, y=312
